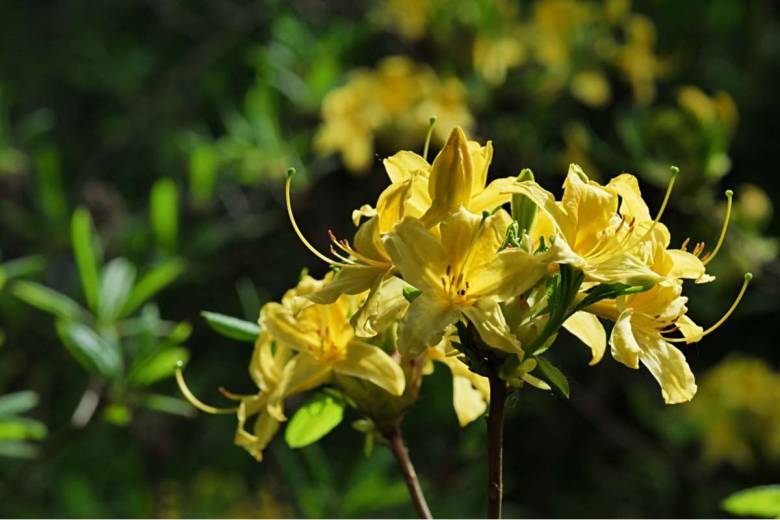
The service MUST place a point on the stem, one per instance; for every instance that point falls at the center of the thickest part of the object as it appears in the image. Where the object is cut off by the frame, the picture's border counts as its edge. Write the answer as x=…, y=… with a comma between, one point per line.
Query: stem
x=495, y=434
x=398, y=447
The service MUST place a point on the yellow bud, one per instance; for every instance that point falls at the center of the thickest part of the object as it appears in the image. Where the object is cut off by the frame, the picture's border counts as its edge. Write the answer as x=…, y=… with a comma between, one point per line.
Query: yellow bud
x=451, y=174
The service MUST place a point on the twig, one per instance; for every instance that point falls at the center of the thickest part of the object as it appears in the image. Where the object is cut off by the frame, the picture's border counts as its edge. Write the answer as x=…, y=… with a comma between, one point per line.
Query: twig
x=495, y=439
x=396, y=443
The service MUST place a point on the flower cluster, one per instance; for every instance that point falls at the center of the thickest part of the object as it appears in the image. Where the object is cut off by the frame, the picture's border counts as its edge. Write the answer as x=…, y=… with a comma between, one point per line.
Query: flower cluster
x=480, y=276
x=395, y=99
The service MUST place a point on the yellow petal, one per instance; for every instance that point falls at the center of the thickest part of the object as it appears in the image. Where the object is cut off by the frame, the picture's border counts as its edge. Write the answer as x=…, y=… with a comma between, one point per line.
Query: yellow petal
x=490, y=197
x=689, y=329
x=590, y=331
x=417, y=253
x=384, y=304
x=302, y=373
x=366, y=361
x=469, y=403
x=669, y=368
x=509, y=273
x=481, y=156
x=404, y=165
x=281, y=324
x=589, y=208
x=425, y=323
x=685, y=265
x=632, y=205
x=491, y=325
x=354, y=279
x=622, y=342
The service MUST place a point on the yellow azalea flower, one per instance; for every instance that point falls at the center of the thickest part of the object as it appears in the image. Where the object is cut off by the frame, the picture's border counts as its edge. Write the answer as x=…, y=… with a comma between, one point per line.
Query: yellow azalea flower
x=326, y=344
x=266, y=368
x=587, y=226
x=460, y=271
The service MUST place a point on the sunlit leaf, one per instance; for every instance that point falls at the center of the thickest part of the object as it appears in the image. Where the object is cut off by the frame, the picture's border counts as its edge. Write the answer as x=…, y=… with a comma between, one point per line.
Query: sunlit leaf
x=21, y=429
x=554, y=376
x=155, y=280
x=315, y=419
x=84, y=248
x=116, y=283
x=203, y=173
x=19, y=267
x=92, y=351
x=763, y=501
x=164, y=213
x=47, y=300
x=232, y=327
x=117, y=414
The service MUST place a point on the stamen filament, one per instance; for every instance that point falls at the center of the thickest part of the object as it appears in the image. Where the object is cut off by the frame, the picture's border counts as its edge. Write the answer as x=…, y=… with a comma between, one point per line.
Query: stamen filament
x=727, y=315
x=194, y=401
x=710, y=256
x=431, y=123
x=288, y=202
x=667, y=195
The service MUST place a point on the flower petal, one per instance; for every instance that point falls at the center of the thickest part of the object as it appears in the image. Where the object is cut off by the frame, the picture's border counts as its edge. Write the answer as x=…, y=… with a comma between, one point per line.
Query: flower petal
x=489, y=321
x=622, y=342
x=632, y=205
x=366, y=361
x=425, y=322
x=588, y=329
x=404, y=164
x=302, y=373
x=353, y=279
x=280, y=323
x=417, y=253
x=669, y=368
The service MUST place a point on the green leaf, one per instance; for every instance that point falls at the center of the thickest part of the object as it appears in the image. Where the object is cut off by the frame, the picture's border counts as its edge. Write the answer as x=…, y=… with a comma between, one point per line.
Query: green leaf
x=117, y=414
x=18, y=450
x=232, y=327
x=164, y=213
x=155, y=280
x=93, y=352
x=47, y=300
x=523, y=208
x=315, y=419
x=411, y=293
x=763, y=501
x=17, y=402
x=167, y=404
x=19, y=267
x=554, y=376
x=84, y=249
x=608, y=291
x=203, y=173
x=115, y=286
x=159, y=365
x=21, y=429
x=51, y=191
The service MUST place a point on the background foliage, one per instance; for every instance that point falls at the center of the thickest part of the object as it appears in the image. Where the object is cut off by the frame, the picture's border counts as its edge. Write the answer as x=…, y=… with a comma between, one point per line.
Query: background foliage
x=142, y=148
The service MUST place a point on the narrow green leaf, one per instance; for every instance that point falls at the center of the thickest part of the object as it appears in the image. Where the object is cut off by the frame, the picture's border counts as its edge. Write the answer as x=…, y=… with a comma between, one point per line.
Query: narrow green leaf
x=93, y=352
x=164, y=214
x=315, y=419
x=117, y=414
x=231, y=327
x=167, y=404
x=203, y=173
x=155, y=280
x=554, y=376
x=18, y=450
x=23, y=266
x=84, y=248
x=763, y=502
x=116, y=283
x=17, y=402
x=21, y=429
x=159, y=365
x=51, y=191
x=608, y=292
x=523, y=209
x=47, y=300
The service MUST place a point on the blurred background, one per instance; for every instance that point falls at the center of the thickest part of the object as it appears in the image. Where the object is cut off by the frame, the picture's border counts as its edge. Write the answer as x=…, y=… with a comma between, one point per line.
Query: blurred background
x=143, y=147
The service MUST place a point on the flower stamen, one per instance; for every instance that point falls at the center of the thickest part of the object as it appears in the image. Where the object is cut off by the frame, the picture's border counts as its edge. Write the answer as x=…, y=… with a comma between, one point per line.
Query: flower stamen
x=194, y=401
x=709, y=256
x=727, y=315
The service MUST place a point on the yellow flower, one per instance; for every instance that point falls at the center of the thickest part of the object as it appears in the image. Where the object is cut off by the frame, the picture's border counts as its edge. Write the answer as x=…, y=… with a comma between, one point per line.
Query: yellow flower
x=326, y=344
x=460, y=271
x=470, y=391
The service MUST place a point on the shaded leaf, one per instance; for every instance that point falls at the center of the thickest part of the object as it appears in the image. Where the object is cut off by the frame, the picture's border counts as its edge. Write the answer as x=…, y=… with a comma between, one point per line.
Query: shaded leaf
x=155, y=280
x=48, y=300
x=554, y=376
x=115, y=286
x=231, y=327
x=18, y=450
x=164, y=213
x=18, y=402
x=92, y=351
x=84, y=242
x=167, y=404
x=159, y=365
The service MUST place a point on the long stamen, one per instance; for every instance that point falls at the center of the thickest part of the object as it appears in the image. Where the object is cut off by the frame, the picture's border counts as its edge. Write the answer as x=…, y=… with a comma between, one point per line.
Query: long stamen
x=194, y=401
x=431, y=123
x=288, y=202
x=727, y=315
x=710, y=256
x=667, y=195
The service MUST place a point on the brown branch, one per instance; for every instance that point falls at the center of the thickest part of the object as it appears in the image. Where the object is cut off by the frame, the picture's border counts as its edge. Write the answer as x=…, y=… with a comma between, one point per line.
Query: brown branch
x=396, y=443
x=495, y=439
